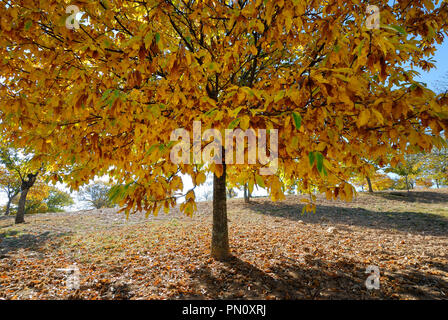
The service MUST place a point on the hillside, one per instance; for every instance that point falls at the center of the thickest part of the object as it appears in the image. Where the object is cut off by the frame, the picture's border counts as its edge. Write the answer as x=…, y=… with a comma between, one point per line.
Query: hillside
x=278, y=253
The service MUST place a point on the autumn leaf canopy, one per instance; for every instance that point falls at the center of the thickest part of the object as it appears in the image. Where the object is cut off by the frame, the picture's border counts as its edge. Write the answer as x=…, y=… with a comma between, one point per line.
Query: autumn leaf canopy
x=104, y=98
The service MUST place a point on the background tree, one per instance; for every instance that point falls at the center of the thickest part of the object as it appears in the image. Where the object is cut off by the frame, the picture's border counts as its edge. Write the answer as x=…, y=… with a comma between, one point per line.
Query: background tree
x=231, y=193
x=435, y=166
x=247, y=193
x=34, y=202
x=424, y=182
x=408, y=169
x=104, y=99
x=381, y=182
x=21, y=163
x=369, y=174
x=400, y=184
x=378, y=182
x=369, y=184
x=207, y=192
x=97, y=195
x=10, y=185
x=44, y=198
x=57, y=200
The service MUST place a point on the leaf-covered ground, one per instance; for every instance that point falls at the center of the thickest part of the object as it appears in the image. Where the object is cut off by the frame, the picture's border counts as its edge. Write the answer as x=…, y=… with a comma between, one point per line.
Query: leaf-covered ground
x=278, y=253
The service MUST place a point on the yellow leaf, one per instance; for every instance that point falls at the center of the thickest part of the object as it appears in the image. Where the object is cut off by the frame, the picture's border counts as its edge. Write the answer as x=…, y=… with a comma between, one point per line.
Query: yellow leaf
x=363, y=118
x=200, y=178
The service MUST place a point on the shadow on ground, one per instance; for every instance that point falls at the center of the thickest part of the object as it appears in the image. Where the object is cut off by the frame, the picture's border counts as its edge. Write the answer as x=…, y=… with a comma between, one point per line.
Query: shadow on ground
x=418, y=197
x=12, y=241
x=6, y=218
x=411, y=222
x=238, y=279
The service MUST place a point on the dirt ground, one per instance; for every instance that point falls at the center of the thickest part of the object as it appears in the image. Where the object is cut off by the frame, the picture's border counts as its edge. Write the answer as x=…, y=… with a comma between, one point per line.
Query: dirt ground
x=278, y=252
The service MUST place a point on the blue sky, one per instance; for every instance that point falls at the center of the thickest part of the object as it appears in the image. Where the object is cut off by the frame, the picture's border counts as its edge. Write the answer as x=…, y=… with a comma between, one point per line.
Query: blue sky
x=441, y=58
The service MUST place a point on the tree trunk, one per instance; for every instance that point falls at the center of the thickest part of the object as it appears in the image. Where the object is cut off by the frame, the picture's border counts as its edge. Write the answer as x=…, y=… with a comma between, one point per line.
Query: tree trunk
x=8, y=206
x=20, y=215
x=369, y=183
x=220, y=236
x=26, y=185
x=407, y=183
x=246, y=194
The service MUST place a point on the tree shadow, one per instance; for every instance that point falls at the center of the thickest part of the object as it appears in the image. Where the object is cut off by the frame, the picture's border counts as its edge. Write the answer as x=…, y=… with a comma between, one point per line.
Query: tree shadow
x=12, y=241
x=315, y=279
x=6, y=218
x=418, y=285
x=437, y=265
x=238, y=279
x=412, y=196
x=411, y=222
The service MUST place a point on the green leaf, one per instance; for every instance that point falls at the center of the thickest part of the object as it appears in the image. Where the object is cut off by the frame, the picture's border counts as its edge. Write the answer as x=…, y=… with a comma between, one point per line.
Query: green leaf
x=250, y=186
x=170, y=144
x=319, y=161
x=28, y=24
x=442, y=115
x=431, y=33
x=297, y=120
x=106, y=94
x=212, y=66
x=157, y=37
x=279, y=96
x=234, y=123
x=360, y=46
x=114, y=192
x=151, y=149
x=211, y=112
x=235, y=112
x=311, y=156
x=398, y=29
x=259, y=181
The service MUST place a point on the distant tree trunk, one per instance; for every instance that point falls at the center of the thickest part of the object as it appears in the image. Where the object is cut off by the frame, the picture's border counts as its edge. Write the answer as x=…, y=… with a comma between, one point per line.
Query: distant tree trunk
x=220, y=236
x=26, y=185
x=407, y=183
x=437, y=184
x=231, y=193
x=246, y=194
x=8, y=206
x=369, y=183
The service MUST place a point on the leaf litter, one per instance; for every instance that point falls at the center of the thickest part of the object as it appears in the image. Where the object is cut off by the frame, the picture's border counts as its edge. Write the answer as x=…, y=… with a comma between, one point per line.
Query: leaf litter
x=277, y=252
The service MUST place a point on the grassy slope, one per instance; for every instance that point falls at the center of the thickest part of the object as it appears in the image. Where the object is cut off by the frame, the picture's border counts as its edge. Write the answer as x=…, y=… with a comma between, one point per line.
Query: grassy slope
x=279, y=254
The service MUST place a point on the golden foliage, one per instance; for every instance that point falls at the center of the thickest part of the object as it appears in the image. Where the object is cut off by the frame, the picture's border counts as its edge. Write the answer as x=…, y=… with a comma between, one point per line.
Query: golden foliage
x=103, y=99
